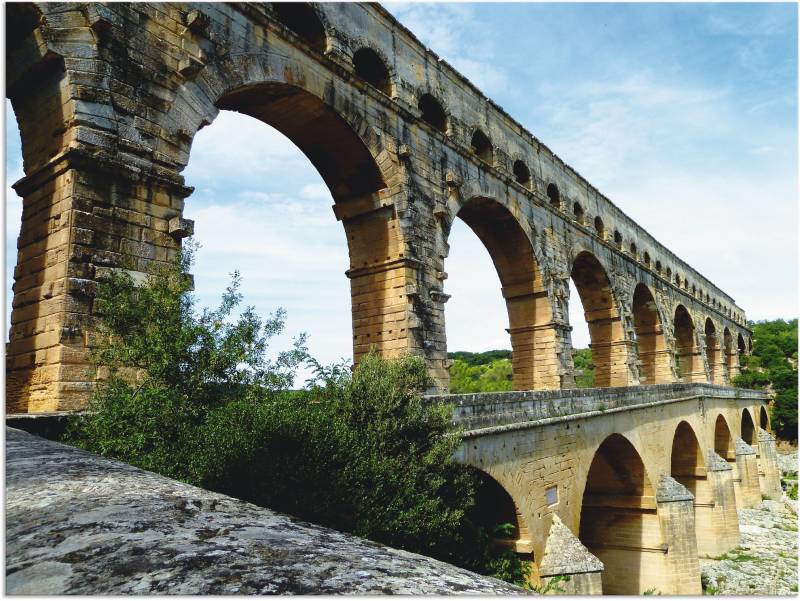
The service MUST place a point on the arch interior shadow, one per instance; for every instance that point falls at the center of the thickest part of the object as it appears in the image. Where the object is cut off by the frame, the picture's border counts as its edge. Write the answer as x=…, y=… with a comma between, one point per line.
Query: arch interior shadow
x=619, y=522
x=606, y=331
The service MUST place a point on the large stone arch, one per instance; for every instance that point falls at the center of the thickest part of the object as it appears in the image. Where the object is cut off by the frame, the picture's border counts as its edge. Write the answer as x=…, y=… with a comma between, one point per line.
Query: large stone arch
x=763, y=418
x=530, y=312
x=610, y=346
x=363, y=177
x=729, y=356
x=714, y=504
x=748, y=430
x=724, y=442
x=495, y=506
x=714, y=360
x=651, y=345
x=688, y=358
x=625, y=521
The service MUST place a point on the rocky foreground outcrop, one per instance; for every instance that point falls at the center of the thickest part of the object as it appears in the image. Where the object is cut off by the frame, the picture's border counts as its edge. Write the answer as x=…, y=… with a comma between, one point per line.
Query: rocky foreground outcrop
x=77, y=523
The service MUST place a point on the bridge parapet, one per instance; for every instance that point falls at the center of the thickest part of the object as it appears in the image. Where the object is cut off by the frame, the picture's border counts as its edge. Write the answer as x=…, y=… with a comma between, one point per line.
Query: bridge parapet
x=485, y=413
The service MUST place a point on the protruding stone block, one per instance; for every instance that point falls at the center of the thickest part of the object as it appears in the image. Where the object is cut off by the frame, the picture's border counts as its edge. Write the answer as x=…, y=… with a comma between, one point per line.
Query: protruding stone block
x=565, y=556
x=180, y=227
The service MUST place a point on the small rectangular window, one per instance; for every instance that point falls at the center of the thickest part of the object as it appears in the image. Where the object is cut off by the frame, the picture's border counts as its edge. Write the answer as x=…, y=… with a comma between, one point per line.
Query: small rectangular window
x=551, y=494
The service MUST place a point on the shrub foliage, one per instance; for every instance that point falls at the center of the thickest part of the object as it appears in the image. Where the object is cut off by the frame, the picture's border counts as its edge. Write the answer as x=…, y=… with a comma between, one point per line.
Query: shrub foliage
x=192, y=396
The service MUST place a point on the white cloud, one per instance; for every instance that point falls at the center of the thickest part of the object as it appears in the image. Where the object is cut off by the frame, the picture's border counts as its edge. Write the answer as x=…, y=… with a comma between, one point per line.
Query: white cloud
x=453, y=32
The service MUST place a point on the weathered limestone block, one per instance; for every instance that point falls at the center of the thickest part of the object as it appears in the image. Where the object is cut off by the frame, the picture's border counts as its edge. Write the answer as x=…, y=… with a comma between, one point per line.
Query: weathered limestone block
x=768, y=470
x=565, y=556
x=675, y=504
x=82, y=524
x=720, y=533
x=749, y=492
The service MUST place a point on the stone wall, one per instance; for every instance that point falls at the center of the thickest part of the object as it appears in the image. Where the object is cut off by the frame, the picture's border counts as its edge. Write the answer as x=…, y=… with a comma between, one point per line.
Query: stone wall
x=80, y=524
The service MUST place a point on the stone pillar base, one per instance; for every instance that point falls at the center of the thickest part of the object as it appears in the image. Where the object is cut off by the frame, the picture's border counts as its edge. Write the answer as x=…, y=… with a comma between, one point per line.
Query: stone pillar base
x=747, y=466
x=722, y=534
x=681, y=574
x=768, y=466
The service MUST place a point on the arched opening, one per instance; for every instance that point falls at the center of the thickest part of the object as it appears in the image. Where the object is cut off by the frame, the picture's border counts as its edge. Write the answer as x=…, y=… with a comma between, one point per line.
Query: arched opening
x=653, y=356
x=678, y=280
x=687, y=464
x=723, y=440
x=740, y=347
x=521, y=173
x=633, y=250
x=609, y=350
x=658, y=266
x=728, y=355
x=764, y=419
x=433, y=113
x=371, y=68
x=498, y=515
x=688, y=362
x=482, y=147
x=712, y=353
x=533, y=358
x=600, y=227
x=748, y=429
x=646, y=259
x=554, y=196
x=354, y=181
x=619, y=523
x=303, y=20
x=669, y=273
x=617, y=239
x=577, y=212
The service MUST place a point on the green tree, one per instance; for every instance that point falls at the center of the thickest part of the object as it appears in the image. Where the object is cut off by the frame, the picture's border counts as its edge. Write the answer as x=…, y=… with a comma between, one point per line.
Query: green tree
x=773, y=366
x=193, y=396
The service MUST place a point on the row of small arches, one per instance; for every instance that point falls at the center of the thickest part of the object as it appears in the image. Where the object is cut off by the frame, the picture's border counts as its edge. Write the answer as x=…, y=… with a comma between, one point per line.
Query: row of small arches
x=303, y=20
x=600, y=229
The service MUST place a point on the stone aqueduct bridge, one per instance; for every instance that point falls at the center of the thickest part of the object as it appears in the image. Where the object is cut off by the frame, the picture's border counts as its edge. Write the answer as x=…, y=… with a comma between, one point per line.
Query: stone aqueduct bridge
x=108, y=99
x=621, y=489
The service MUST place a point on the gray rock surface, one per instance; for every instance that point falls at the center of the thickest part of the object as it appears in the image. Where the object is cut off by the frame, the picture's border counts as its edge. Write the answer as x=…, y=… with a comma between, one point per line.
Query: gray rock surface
x=77, y=523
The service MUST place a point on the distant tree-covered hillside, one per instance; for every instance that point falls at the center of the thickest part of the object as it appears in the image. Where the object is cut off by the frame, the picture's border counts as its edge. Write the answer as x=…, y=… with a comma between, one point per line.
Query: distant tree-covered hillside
x=773, y=366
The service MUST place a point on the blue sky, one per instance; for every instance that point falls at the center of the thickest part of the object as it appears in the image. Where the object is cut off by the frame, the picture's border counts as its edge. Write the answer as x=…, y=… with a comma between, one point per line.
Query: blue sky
x=684, y=115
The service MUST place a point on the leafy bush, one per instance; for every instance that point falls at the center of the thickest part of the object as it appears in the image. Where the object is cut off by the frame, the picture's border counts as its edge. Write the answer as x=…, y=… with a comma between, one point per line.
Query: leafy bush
x=193, y=396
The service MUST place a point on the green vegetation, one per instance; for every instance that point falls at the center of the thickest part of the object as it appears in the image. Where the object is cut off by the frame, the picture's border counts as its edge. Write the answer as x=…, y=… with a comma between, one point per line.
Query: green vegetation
x=491, y=371
x=790, y=486
x=480, y=372
x=584, y=368
x=773, y=366
x=193, y=396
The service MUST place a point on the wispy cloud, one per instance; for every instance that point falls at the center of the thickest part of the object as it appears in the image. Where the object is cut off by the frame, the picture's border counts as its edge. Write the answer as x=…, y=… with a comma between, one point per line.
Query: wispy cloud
x=457, y=35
